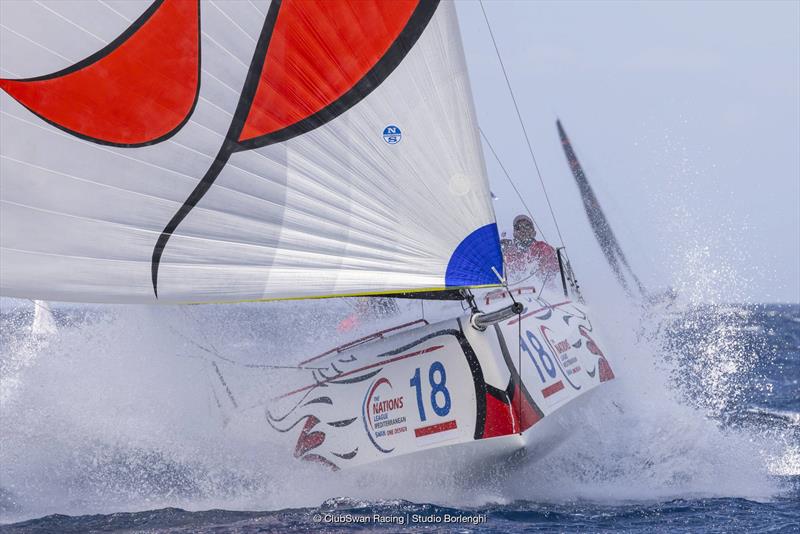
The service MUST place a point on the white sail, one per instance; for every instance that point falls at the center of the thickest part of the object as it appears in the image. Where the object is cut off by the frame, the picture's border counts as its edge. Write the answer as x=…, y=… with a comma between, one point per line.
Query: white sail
x=44, y=324
x=220, y=151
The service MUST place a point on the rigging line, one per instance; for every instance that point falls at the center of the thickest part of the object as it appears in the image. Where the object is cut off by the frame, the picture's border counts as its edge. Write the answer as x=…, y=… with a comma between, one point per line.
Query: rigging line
x=519, y=358
x=519, y=371
x=213, y=351
x=522, y=124
x=194, y=319
x=504, y=282
x=511, y=181
x=546, y=279
x=524, y=204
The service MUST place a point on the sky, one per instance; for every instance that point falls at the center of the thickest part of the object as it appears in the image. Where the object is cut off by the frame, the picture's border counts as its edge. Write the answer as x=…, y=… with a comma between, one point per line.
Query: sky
x=685, y=116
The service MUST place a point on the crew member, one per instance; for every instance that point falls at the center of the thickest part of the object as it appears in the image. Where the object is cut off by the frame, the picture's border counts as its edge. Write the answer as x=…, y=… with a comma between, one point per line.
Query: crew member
x=524, y=253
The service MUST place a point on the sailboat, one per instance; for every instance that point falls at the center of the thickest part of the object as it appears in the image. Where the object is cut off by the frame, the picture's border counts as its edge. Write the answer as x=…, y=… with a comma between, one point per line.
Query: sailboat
x=612, y=250
x=44, y=323
x=190, y=152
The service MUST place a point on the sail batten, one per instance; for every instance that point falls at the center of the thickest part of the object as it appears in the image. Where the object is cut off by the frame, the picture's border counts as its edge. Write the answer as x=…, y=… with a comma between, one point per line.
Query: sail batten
x=267, y=188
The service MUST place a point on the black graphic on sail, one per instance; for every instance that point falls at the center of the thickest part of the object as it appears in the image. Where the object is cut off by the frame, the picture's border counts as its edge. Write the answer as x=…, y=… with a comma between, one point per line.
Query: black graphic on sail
x=597, y=219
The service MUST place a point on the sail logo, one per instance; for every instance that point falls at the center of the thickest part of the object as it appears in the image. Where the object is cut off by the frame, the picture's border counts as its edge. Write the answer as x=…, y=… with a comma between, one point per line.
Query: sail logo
x=392, y=134
x=382, y=413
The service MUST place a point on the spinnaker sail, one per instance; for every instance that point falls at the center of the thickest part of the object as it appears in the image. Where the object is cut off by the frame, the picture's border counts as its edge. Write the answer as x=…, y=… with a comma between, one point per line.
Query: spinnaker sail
x=599, y=223
x=198, y=151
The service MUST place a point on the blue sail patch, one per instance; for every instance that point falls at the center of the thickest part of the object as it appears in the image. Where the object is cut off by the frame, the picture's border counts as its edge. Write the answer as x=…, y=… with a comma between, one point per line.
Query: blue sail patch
x=472, y=261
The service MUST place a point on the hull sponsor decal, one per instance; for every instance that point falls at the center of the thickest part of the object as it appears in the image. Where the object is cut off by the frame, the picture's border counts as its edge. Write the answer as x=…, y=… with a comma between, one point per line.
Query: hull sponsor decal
x=552, y=389
x=317, y=459
x=384, y=408
x=435, y=429
x=382, y=414
x=568, y=365
x=319, y=400
x=562, y=346
x=606, y=373
x=346, y=455
x=343, y=422
x=534, y=312
x=308, y=439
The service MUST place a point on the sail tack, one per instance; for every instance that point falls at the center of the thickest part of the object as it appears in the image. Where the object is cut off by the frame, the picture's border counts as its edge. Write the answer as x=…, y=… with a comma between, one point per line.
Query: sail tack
x=261, y=150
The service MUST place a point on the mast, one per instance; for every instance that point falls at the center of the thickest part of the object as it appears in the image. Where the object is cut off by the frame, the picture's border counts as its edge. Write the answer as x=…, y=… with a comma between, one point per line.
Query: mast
x=597, y=219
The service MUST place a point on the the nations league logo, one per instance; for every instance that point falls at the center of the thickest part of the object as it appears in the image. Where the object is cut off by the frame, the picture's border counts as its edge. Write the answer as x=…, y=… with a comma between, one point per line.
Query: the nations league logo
x=392, y=134
x=382, y=413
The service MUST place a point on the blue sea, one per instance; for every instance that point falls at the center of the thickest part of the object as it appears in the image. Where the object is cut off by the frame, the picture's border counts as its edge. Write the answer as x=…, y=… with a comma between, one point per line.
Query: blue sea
x=699, y=433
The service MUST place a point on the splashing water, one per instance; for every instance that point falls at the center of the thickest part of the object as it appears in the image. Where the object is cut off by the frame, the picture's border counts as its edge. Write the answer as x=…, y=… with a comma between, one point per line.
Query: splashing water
x=126, y=408
x=119, y=411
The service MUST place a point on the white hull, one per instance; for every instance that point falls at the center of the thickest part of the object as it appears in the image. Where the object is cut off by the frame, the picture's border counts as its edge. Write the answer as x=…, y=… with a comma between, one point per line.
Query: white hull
x=477, y=459
x=445, y=391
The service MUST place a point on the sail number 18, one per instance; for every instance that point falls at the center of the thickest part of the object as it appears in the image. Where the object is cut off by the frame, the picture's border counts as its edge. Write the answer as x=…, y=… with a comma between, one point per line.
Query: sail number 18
x=440, y=396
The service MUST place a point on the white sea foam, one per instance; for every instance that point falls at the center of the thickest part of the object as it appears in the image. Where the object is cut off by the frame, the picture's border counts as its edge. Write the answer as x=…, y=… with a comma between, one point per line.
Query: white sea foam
x=120, y=413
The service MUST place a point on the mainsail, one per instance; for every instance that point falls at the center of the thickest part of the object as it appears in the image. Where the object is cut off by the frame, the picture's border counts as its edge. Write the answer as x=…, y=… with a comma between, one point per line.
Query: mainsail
x=198, y=151
x=597, y=219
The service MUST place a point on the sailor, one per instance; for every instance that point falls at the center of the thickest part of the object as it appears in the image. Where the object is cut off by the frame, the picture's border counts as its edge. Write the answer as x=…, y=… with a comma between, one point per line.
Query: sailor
x=524, y=253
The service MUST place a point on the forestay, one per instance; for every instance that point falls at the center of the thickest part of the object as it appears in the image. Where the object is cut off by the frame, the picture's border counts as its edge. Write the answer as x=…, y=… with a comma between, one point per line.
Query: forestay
x=183, y=151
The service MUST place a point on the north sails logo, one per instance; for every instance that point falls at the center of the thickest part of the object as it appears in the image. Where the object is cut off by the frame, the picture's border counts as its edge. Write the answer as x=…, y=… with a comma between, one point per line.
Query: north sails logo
x=392, y=134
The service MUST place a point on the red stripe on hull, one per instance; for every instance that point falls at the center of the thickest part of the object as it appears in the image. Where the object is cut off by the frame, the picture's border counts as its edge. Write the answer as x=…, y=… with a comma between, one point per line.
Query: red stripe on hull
x=553, y=389
x=435, y=429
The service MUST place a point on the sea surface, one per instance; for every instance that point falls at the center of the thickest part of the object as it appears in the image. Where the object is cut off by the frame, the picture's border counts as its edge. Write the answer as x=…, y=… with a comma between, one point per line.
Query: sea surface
x=699, y=433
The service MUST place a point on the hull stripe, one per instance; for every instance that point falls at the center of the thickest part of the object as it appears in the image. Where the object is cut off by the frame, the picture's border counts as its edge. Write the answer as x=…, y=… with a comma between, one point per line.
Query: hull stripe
x=435, y=429
x=378, y=364
x=553, y=389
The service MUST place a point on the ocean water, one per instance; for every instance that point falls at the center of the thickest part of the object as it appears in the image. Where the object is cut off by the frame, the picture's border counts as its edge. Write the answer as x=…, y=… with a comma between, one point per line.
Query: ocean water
x=114, y=424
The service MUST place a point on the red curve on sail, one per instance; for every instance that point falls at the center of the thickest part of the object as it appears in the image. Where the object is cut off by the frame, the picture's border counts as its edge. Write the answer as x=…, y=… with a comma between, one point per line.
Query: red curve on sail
x=138, y=90
x=318, y=51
